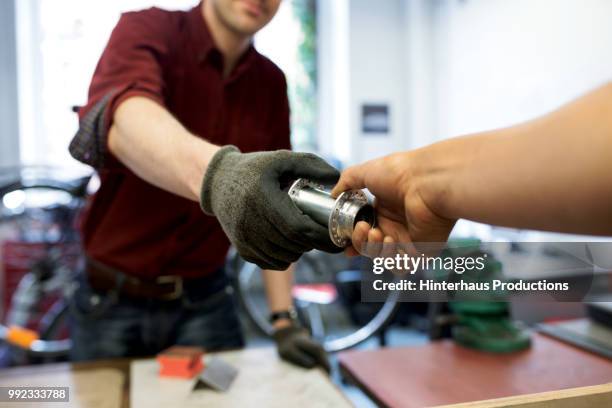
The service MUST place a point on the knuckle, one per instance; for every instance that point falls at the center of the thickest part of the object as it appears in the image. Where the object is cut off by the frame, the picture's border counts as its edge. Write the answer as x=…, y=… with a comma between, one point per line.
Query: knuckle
x=292, y=233
x=241, y=234
x=311, y=156
x=281, y=154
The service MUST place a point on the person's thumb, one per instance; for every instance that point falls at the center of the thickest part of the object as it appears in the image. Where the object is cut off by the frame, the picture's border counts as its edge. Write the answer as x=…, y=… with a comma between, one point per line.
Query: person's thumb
x=352, y=178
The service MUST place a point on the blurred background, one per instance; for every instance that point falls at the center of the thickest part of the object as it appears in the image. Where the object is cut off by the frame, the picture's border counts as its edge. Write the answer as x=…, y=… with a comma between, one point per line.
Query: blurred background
x=366, y=78
x=440, y=67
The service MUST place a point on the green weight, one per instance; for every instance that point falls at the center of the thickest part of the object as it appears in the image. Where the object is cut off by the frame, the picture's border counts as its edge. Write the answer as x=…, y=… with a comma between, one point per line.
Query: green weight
x=483, y=318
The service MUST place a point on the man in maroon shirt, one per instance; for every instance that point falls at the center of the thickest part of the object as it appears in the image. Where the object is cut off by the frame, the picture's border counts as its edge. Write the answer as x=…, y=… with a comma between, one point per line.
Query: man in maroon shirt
x=170, y=89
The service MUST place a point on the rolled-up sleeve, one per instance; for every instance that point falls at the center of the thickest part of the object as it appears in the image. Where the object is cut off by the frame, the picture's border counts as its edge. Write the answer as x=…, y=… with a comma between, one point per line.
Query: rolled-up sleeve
x=132, y=64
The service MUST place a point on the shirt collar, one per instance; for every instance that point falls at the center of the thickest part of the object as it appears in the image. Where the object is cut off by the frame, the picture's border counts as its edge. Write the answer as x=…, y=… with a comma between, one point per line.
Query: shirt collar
x=204, y=44
x=201, y=39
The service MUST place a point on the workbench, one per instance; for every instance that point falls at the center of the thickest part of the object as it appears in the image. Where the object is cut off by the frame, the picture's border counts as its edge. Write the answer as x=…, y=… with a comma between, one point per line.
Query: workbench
x=442, y=373
x=263, y=380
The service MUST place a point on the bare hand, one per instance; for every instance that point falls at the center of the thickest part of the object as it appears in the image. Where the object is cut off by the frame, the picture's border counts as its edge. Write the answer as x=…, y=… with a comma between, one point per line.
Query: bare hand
x=403, y=214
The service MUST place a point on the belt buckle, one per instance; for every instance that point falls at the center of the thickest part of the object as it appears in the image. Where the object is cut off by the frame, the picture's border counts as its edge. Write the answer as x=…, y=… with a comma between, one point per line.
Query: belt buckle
x=177, y=281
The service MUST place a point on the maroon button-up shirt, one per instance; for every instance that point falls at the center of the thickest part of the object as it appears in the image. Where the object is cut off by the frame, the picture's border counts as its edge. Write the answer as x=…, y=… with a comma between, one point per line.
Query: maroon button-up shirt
x=170, y=57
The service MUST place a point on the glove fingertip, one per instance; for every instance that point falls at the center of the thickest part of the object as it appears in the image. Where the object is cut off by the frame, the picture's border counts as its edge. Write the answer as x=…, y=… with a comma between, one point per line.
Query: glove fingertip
x=315, y=168
x=316, y=352
x=301, y=359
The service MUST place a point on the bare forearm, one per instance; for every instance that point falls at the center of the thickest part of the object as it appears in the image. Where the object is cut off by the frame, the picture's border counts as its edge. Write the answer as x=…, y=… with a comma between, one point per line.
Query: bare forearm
x=278, y=286
x=156, y=147
x=554, y=173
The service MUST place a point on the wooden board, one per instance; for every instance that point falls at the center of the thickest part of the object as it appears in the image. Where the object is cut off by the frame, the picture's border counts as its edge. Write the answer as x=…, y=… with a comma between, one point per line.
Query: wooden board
x=99, y=388
x=444, y=373
x=263, y=381
x=583, y=397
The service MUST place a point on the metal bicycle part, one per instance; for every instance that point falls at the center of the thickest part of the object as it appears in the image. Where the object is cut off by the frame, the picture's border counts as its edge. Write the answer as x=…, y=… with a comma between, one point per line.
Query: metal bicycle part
x=339, y=215
x=314, y=316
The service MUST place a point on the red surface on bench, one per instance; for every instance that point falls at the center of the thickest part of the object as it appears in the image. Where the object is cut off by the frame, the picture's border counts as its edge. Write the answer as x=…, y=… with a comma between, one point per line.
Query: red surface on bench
x=444, y=373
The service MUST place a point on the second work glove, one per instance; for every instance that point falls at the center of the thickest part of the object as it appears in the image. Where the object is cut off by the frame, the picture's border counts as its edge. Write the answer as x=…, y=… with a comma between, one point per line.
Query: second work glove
x=245, y=191
x=295, y=345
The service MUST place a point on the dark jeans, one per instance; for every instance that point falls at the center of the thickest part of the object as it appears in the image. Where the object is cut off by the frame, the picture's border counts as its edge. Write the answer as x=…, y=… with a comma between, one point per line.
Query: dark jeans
x=106, y=325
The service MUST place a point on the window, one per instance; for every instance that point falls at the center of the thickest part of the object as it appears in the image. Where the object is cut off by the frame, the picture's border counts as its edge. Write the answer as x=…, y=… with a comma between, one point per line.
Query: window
x=60, y=42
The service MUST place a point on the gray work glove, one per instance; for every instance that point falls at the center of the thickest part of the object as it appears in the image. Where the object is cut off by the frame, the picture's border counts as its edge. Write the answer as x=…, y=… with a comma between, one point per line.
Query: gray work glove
x=244, y=191
x=295, y=345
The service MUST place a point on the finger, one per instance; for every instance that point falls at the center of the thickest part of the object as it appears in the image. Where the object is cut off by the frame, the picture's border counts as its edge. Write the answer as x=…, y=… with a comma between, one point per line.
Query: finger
x=360, y=236
x=375, y=243
x=300, y=358
x=388, y=247
x=351, y=179
x=390, y=250
x=375, y=235
x=397, y=230
x=284, y=254
x=296, y=245
x=296, y=226
x=257, y=261
x=409, y=248
x=269, y=252
x=351, y=251
x=318, y=235
x=265, y=259
x=314, y=350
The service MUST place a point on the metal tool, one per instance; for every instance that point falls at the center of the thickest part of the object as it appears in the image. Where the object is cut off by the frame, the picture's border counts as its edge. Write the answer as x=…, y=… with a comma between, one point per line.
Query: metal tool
x=339, y=215
x=218, y=375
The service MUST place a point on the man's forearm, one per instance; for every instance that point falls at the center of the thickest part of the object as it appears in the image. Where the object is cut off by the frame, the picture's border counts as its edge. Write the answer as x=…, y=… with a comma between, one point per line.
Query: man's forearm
x=155, y=146
x=278, y=286
x=552, y=173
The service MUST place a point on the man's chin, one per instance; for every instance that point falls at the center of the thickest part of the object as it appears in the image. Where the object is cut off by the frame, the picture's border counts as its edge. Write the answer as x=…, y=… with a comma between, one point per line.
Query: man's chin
x=248, y=25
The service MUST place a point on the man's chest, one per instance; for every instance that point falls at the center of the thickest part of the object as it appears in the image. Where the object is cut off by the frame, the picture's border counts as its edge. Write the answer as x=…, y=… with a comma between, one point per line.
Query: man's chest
x=239, y=112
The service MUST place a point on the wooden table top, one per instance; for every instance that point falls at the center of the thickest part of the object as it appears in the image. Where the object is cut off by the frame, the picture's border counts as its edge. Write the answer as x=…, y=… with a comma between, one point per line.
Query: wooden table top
x=444, y=373
x=44, y=373
x=263, y=380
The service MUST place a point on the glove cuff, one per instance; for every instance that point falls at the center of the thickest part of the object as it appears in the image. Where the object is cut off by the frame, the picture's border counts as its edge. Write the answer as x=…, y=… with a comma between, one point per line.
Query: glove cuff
x=281, y=334
x=215, y=164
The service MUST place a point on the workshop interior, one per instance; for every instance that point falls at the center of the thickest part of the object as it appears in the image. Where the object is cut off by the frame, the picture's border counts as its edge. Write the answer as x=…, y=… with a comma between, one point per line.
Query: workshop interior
x=145, y=262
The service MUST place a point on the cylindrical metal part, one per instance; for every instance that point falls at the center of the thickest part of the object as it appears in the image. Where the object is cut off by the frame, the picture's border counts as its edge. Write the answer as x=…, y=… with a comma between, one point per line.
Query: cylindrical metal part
x=339, y=215
x=314, y=202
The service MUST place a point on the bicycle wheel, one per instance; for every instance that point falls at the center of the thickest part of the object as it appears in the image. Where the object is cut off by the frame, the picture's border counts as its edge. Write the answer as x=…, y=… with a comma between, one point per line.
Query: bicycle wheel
x=39, y=252
x=327, y=298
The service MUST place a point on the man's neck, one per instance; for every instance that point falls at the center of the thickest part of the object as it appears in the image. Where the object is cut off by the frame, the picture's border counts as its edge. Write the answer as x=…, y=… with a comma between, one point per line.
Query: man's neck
x=231, y=44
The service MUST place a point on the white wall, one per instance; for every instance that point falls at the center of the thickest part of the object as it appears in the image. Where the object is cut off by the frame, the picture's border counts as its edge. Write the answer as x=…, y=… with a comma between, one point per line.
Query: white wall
x=450, y=67
x=420, y=69
x=59, y=44
x=499, y=62
x=378, y=73
x=333, y=118
x=9, y=129
x=361, y=60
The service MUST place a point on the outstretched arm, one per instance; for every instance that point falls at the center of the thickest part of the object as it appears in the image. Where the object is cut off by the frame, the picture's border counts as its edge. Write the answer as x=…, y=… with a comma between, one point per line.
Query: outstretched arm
x=155, y=146
x=553, y=173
